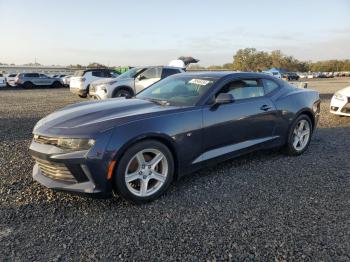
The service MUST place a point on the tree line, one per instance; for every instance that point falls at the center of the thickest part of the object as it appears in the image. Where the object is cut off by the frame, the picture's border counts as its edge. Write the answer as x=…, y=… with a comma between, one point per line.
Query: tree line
x=250, y=59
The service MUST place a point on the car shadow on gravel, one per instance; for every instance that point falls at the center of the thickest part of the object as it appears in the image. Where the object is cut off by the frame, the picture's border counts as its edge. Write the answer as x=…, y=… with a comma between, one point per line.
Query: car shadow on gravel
x=321, y=147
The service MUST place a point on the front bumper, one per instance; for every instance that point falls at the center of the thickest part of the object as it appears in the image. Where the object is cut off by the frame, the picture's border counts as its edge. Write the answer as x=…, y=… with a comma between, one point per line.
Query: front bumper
x=340, y=107
x=73, y=172
x=98, y=93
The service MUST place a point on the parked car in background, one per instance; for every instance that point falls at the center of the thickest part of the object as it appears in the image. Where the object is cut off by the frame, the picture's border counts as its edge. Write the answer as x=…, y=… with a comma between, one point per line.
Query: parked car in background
x=131, y=82
x=81, y=80
x=66, y=80
x=10, y=79
x=30, y=80
x=302, y=75
x=290, y=76
x=274, y=73
x=340, y=103
x=2, y=80
x=137, y=147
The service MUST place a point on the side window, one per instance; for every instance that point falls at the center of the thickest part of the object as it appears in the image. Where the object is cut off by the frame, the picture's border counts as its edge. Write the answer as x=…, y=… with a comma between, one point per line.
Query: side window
x=154, y=72
x=97, y=73
x=168, y=72
x=244, y=88
x=108, y=74
x=32, y=75
x=269, y=85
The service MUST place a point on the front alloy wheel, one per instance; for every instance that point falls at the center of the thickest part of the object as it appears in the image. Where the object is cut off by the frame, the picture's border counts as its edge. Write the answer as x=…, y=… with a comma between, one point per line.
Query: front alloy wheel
x=144, y=172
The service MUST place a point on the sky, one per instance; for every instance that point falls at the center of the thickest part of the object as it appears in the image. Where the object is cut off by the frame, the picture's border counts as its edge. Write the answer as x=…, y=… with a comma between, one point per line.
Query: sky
x=153, y=32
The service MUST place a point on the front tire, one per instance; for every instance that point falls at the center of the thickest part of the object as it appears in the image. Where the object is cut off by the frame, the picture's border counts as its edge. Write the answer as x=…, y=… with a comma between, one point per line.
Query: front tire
x=122, y=93
x=144, y=172
x=299, y=136
x=56, y=84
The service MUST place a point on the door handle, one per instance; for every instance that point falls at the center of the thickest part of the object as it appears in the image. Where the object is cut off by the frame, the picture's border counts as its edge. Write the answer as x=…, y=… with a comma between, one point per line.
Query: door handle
x=265, y=107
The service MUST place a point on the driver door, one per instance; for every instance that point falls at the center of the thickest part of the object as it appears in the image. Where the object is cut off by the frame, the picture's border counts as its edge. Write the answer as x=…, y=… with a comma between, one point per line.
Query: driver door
x=147, y=78
x=249, y=121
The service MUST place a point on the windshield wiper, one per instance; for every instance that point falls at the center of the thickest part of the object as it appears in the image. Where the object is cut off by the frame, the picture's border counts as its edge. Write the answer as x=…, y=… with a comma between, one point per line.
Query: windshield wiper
x=160, y=102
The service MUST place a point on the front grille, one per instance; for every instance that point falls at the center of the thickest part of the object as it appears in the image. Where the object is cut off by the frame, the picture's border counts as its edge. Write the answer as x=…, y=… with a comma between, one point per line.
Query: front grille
x=56, y=171
x=46, y=140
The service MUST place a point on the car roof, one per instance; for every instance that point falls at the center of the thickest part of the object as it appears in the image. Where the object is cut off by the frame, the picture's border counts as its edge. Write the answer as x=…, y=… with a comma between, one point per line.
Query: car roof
x=162, y=66
x=221, y=74
x=95, y=69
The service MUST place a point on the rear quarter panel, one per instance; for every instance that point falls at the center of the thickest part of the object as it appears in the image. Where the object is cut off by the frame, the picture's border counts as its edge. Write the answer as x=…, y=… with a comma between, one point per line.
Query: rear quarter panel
x=291, y=102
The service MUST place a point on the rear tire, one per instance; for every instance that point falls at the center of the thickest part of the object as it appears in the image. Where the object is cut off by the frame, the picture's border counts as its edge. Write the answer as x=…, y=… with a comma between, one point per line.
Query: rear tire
x=144, y=172
x=28, y=85
x=87, y=92
x=299, y=136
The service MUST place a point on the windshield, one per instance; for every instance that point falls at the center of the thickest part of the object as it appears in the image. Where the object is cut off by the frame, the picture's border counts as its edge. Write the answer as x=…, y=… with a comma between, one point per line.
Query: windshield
x=79, y=73
x=130, y=73
x=177, y=90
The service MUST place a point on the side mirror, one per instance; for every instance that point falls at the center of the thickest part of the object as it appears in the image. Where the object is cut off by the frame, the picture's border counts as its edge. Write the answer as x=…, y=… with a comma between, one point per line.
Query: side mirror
x=224, y=98
x=141, y=77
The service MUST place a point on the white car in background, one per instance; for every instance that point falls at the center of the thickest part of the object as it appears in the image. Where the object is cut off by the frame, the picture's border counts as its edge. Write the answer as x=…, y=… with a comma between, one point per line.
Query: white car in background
x=131, y=82
x=66, y=80
x=81, y=80
x=10, y=79
x=340, y=103
x=2, y=80
x=275, y=74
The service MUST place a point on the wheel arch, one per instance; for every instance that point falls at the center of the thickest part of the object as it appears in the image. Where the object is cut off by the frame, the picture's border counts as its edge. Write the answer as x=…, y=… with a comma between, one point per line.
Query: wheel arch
x=309, y=113
x=28, y=82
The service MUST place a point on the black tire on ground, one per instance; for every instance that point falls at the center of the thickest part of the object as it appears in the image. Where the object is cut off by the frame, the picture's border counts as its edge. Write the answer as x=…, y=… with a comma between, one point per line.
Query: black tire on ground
x=87, y=92
x=56, y=84
x=119, y=183
x=28, y=85
x=289, y=148
x=122, y=93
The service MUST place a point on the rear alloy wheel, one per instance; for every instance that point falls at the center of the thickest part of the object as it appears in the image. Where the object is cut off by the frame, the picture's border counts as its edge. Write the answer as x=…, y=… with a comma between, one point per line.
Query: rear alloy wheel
x=28, y=85
x=299, y=136
x=122, y=93
x=144, y=172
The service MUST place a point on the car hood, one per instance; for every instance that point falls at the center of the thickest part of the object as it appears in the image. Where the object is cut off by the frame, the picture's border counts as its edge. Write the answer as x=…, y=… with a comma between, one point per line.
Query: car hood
x=89, y=118
x=112, y=80
x=104, y=80
x=345, y=91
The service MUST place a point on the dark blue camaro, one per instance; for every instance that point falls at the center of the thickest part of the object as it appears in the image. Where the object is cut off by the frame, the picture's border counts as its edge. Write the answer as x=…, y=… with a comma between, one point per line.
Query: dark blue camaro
x=138, y=146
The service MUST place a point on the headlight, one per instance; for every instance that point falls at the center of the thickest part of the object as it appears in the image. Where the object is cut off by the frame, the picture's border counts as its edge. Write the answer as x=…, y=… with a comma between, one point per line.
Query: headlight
x=339, y=97
x=75, y=143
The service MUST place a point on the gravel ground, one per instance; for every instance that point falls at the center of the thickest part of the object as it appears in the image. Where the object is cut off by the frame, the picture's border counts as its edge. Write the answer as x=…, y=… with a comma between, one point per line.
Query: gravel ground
x=264, y=206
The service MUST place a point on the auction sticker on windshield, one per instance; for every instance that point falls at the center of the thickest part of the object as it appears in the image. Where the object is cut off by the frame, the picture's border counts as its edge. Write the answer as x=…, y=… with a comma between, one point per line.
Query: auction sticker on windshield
x=201, y=82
